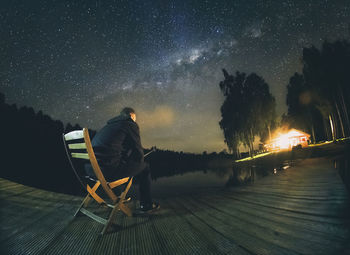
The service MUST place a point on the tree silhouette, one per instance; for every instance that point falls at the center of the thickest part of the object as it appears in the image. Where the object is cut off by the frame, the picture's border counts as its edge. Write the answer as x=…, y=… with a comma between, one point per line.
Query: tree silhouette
x=32, y=149
x=248, y=110
x=323, y=90
x=32, y=152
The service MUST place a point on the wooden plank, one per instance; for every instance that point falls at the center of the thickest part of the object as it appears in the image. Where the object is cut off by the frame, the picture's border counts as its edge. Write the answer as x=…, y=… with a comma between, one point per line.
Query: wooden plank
x=274, y=216
x=114, y=184
x=96, y=167
x=328, y=230
x=30, y=206
x=330, y=210
x=271, y=232
x=77, y=134
x=282, y=226
x=291, y=212
x=37, y=230
x=92, y=192
x=189, y=234
x=73, y=146
x=244, y=235
x=78, y=237
x=80, y=155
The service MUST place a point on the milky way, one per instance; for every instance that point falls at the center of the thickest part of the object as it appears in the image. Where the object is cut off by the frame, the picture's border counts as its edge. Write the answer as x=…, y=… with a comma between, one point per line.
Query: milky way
x=82, y=61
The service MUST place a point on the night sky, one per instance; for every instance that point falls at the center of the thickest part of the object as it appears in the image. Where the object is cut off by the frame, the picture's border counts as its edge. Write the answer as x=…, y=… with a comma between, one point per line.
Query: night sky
x=82, y=61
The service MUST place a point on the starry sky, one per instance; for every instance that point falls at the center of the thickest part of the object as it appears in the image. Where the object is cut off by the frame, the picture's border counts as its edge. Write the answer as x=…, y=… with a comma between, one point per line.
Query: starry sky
x=82, y=61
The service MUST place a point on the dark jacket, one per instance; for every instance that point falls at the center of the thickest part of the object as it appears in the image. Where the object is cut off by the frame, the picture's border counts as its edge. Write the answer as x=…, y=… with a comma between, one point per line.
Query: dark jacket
x=117, y=142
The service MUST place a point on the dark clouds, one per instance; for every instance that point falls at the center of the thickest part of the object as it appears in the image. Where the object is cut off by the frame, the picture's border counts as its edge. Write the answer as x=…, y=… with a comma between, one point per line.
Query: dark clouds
x=81, y=61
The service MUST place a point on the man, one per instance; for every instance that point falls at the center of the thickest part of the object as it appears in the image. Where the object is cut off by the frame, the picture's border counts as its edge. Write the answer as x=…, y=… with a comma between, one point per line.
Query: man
x=119, y=152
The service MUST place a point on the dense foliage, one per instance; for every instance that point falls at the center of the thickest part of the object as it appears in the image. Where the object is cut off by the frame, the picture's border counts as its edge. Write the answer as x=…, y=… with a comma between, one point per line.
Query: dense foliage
x=318, y=99
x=248, y=110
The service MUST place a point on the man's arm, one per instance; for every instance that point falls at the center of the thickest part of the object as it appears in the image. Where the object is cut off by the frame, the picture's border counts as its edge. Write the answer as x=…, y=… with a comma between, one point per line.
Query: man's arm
x=134, y=133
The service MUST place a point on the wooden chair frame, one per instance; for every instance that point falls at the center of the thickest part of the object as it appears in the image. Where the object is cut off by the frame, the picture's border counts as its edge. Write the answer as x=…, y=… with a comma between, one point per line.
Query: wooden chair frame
x=73, y=150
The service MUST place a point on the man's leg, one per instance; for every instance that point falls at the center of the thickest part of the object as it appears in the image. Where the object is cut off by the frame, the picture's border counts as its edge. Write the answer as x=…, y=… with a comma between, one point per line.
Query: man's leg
x=143, y=178
x=141, y=173
x=144, y=181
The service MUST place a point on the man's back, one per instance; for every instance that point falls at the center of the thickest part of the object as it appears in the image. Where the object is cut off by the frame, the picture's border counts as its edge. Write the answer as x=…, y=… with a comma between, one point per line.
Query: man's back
x=119, y=153
x=116, y=140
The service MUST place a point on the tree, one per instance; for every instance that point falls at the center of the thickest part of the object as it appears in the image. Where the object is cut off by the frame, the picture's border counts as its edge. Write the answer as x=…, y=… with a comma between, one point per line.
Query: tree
x=322, y=89
x=299, y=105
x=326, y=72
x=248, y=110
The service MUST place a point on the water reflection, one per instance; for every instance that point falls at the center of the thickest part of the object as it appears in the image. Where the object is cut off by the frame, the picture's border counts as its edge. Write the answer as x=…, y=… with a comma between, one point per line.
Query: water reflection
x=238, y=174
x=214, y=177
x=250, y=173
x=343, y=167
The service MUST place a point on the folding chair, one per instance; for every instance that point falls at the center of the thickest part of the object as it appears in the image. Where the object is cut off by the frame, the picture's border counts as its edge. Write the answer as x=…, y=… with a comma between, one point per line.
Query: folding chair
x=78, y=146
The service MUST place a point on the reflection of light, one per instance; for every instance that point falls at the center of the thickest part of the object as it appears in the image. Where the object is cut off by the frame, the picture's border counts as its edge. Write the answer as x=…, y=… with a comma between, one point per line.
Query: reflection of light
x=274, y=170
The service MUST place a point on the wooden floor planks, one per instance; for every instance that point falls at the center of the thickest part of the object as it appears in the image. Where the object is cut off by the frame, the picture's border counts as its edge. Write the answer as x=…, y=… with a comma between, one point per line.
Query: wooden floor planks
x=302, y=210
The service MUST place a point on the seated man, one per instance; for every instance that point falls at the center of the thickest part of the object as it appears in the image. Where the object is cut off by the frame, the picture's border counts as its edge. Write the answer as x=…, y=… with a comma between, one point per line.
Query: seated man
x=119, y=152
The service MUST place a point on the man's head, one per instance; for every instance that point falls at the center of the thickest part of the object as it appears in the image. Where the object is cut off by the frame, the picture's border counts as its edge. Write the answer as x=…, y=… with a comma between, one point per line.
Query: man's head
x=129, y=112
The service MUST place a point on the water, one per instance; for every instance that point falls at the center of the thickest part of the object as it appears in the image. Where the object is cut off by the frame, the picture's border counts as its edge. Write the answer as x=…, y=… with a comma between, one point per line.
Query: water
x=250, y=173
x=212, y=180
x=189, y=183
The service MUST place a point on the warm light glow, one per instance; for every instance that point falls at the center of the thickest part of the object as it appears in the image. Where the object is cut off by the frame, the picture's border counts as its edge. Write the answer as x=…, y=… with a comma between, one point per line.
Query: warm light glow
x=286, y=141
x=283, y=141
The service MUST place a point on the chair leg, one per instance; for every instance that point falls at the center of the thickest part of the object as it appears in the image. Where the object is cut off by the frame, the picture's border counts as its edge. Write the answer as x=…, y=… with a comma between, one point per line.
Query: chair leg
x=85, y=203
x=110, y=219
x=87, y=200
x=123, y=194
x=118, y=206
x=125, y=209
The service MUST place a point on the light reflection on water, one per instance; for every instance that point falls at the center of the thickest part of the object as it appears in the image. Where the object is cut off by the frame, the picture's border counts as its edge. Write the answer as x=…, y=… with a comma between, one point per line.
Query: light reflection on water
x=240, y=174
x=218, y=178
x=243, y=174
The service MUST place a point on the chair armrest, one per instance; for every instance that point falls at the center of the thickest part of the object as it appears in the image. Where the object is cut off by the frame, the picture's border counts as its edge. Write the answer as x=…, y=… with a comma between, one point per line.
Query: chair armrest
x=117, y=183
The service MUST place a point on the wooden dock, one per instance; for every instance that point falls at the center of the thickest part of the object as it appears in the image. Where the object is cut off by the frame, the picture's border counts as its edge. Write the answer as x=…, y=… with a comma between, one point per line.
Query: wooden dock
x=301, y=210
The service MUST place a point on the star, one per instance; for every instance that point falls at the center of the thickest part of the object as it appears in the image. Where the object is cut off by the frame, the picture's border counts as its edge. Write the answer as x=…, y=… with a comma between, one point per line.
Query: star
x=83, y=62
